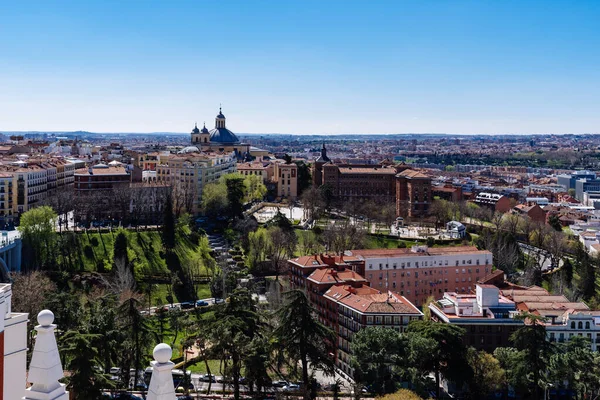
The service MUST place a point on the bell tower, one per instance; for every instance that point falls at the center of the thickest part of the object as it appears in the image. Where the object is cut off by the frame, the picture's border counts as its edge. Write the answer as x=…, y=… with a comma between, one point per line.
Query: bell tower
x=220, y=120
x=195, y=135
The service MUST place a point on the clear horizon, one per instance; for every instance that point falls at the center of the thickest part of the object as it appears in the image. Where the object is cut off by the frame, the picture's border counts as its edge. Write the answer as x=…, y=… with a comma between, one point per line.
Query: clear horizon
x=464, y=67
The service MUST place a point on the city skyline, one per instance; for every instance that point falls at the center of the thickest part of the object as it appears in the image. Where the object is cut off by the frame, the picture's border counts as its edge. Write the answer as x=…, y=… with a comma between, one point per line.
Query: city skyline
x=318, y=68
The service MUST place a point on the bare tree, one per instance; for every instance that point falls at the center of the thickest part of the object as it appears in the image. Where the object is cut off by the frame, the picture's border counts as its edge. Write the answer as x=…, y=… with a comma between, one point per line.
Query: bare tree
x=280, y=248
x=122, y=282
x=342, y=235
x=312, y=203
x=510, y=223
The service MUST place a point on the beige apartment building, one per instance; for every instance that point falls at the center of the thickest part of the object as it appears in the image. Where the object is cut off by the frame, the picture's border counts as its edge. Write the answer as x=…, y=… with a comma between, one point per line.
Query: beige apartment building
x=284, y=177
x=189, y=171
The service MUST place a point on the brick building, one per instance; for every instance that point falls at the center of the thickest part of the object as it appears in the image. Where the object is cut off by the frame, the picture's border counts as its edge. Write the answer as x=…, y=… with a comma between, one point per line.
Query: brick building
x=386, y=182
x=351, y=309
x=420, y=272
x=413, y=194
x=345, y=302
x=416, y=273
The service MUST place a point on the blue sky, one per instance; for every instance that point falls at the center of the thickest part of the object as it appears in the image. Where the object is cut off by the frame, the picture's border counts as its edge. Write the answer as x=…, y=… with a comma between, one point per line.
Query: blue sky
x=301, y=66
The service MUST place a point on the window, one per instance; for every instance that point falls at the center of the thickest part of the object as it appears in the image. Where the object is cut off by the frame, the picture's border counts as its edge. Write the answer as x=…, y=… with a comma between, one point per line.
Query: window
x=388, y=320
x=587, y=325
x=572, y=324
x=580, y=325
x=369, y=320
x=394, y=274
x=378, y=320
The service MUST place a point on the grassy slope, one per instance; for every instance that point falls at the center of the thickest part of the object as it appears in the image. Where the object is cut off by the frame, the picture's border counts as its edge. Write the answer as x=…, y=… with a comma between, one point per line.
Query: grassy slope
x=144, y=250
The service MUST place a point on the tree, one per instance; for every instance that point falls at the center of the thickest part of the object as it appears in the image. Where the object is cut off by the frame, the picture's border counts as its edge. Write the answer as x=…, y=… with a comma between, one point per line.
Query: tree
x=327, y=195
x=577, y=365
x=85, y=381
x=531, y=340
x=402, y=394
x=375, y=351
x=103, y=324
x=342, y=235
x=304, y=177
x=120, y=253
x=302, y=338
x=554, y=222
x=214, y=200
x=443, y=352
x=256, y=363
x=254, y=187
x=37, y=227
x=168, y=228
x=29, y=294
x=137, y=331
x=487, y=376
x=233, y=330
x=567, y=272
x=235, y=196
x=512, y=362
x=280, y=246
x=312, y=203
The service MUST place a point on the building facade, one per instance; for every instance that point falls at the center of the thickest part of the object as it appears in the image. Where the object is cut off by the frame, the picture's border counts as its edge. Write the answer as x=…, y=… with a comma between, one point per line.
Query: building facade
x=190, y=171
x=487, y=316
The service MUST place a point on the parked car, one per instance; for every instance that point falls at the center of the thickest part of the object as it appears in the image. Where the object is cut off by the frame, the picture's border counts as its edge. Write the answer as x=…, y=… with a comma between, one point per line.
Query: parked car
x=186, y=397
x=279, y=384
x=201, y=303
x=187, y=305
x=292, y=387
x=126, y=396
x=208, y=378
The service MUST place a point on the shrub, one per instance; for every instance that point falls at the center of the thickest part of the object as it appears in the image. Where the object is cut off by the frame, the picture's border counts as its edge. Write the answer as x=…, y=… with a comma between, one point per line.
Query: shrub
x=94, y=241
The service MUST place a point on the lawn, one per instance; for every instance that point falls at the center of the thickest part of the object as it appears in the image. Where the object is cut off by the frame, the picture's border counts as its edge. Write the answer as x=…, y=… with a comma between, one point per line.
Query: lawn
x=161, y=290
x=145, y=251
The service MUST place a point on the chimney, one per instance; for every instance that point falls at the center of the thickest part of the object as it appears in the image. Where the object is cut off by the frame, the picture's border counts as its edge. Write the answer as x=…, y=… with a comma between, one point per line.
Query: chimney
x=161, y=383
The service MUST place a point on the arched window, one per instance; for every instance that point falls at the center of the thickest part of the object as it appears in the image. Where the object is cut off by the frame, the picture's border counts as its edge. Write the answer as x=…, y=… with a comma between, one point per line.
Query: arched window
x=580, y=325
x=572, y=324
x=587, y=325
x=205, y=140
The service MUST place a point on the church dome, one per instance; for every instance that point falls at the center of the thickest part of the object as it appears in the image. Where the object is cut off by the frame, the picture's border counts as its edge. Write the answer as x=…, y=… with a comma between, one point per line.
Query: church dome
x=196, y=130
x=204, y=130
x=223, y=135
x=189, y=149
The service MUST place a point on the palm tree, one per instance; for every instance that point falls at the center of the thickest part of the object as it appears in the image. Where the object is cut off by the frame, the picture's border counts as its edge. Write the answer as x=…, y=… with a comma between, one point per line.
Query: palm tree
x=302, y=337
x=86, y=380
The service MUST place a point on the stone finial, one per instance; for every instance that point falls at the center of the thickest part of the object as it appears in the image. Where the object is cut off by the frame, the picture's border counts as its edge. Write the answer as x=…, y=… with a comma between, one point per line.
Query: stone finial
x=161, y=384
x=45, y=368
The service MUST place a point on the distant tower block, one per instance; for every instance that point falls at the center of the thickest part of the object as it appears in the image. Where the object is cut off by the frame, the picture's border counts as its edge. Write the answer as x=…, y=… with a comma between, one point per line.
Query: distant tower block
x=45, y=369
x=161, y=384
